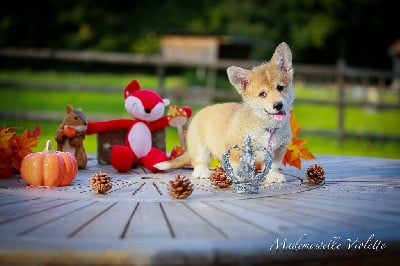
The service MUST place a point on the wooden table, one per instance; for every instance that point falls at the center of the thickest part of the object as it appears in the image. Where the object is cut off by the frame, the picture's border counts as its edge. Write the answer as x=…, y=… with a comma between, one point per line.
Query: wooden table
x=353, y=217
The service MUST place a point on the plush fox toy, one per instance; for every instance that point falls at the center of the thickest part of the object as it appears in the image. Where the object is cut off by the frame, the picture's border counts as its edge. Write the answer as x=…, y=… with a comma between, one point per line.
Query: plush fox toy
x=147, y=109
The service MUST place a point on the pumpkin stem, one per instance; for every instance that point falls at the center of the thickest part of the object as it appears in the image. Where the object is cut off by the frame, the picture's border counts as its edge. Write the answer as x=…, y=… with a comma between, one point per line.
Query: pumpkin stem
x=49, y=146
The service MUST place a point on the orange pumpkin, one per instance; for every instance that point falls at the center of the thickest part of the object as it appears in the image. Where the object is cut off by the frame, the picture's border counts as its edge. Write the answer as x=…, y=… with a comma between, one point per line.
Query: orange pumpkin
x=49, y=167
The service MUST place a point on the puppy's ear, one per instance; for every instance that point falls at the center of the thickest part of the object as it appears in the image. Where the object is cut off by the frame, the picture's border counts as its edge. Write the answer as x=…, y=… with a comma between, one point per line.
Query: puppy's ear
x=282, y=58
x=238, y=77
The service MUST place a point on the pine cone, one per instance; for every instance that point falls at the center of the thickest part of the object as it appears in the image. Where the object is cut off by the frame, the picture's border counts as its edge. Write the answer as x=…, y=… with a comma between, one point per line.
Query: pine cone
x=180, y=188
x=218, y=178
x=100, y=182
x=315, y=174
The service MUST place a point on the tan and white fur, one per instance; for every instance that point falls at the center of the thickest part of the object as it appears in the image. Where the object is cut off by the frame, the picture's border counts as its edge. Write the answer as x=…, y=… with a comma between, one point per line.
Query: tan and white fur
x=264, y=114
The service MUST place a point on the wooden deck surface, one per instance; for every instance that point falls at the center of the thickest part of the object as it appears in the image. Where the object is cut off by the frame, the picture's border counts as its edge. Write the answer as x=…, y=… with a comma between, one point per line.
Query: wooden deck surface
x=353, y=217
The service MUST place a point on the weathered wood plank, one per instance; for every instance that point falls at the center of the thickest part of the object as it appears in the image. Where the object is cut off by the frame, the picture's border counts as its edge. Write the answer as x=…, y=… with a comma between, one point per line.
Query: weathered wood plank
x=23, y=206
x=291, y=213
x=343, y=215
x=151, y=190
x=271, y=225
x=311, y=224
x=108, y=224
x=366, y=206
x=33, y=209
x=358, y=191
x=229, y=225
x=29, y=224
x=323, y=215
x=148, y=222
x=69, y=225
x=14, y=199
x=187, y=224
x=367, y=203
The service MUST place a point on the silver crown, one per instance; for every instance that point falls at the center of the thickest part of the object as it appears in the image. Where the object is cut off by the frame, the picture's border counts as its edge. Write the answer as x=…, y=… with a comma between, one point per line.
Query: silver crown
x=246, y=180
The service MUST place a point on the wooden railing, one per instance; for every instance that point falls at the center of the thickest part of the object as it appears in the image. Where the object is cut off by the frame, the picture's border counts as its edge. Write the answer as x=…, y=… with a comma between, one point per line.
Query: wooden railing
x=340, y=74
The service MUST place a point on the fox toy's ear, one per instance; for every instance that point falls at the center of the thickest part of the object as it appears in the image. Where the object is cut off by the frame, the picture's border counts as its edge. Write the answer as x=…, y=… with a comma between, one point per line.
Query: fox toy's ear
x=283, y=58
x=131, y=87
x=166, y=102
x=238, y=77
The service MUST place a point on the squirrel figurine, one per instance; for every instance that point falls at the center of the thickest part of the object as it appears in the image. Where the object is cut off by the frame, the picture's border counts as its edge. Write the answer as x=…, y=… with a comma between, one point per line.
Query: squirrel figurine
x=71, y=133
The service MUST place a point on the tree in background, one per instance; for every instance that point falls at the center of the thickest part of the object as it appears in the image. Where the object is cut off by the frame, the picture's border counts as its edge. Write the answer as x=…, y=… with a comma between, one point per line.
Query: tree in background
x=318, y=31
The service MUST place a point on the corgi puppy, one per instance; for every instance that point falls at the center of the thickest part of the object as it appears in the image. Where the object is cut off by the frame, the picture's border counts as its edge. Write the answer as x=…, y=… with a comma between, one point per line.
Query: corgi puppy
x=264, y=114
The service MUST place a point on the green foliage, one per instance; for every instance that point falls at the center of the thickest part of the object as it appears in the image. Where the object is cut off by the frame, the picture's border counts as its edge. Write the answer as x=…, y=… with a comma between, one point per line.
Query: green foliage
x=148, y=44
x=317, y=31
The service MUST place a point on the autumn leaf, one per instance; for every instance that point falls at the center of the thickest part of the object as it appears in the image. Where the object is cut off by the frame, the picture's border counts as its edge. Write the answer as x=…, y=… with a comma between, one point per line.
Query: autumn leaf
x=14, y=148
x=5, y=163
x=296, y=150
x=36, y=132
x=6, y=134
x=22, y=146
x=294, y=125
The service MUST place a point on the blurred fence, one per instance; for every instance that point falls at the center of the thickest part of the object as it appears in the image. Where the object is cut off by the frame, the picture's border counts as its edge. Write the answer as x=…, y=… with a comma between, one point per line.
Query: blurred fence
x=340, y=74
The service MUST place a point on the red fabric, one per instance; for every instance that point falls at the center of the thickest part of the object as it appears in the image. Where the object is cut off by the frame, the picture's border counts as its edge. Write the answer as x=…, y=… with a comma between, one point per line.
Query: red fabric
x=109, y=125
x=122, y=158
x=159, y=124
x=153, y=157
x=188, y=111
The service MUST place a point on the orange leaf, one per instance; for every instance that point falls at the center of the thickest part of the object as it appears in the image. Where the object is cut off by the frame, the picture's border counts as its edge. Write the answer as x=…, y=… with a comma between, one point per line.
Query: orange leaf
x=14, y=148
x=6, y=134
x=294, y=124
x=299, y=142
x=296, y=163
x=22, y=146
x=306, y=154
x=295, y=150
x=286, y=157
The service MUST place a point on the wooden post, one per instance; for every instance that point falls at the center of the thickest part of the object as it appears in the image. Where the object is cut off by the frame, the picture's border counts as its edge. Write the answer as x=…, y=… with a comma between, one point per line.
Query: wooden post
x=161, y=76
x=212, y=81
x=105, y=142
x=340, y=80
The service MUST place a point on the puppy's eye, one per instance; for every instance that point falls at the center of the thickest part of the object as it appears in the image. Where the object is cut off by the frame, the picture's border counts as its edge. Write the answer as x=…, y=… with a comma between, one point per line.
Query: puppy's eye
x=262, y=94
x=280, y=88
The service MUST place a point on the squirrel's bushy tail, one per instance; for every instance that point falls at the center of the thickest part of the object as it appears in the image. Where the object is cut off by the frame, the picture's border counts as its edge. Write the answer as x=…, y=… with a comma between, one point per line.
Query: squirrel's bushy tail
x=180, y=161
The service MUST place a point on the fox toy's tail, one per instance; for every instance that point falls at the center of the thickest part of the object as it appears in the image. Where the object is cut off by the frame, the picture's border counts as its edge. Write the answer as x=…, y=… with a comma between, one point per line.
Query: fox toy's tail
x=180, y=161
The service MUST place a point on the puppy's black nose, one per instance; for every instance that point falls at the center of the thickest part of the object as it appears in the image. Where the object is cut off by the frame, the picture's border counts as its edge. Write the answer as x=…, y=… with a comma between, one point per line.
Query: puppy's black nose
x=278, y=106
x=147, y=111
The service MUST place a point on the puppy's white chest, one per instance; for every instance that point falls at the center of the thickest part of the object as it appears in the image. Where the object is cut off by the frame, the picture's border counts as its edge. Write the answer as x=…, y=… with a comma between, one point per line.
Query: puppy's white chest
x=275, y=138
x=270, y=138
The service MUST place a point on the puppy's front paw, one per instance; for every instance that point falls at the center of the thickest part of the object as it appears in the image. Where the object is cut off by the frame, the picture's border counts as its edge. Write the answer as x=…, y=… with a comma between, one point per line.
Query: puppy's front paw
x=275, y=177
x=201, y=172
